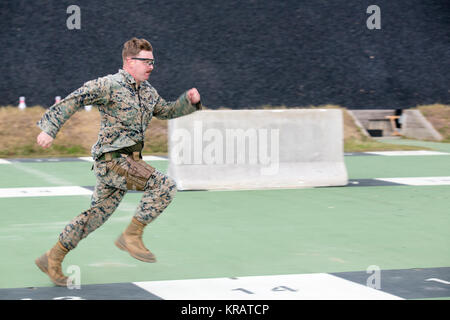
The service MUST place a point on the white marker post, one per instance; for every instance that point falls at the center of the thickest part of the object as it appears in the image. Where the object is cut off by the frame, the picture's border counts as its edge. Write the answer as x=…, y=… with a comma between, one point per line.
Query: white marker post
x=22, y=104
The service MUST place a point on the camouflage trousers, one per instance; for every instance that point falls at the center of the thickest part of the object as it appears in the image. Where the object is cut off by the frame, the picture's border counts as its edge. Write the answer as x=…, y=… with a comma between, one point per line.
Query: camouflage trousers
x=108, y=193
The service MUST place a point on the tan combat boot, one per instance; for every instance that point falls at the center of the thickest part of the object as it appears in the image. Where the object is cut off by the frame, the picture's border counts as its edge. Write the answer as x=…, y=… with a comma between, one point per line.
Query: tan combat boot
x=131, y=240
x=50, y=263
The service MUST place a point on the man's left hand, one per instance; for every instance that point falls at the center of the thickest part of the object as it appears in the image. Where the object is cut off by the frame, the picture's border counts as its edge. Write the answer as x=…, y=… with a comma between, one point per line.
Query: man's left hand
x=193, y=96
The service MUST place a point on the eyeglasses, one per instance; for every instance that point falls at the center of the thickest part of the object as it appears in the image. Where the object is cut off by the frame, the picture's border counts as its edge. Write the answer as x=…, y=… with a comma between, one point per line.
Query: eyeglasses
x=150, y=62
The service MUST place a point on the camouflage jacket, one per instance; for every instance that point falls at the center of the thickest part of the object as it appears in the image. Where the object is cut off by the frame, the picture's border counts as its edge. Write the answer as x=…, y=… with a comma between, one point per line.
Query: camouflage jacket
x=124, y=109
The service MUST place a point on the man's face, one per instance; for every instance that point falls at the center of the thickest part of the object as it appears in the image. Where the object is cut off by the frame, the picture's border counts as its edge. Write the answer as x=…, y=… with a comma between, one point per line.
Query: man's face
x=140, y=69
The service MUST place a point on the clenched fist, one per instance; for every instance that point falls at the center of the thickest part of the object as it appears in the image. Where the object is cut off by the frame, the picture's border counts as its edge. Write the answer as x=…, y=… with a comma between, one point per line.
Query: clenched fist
x=193, y=96
x=44, y=140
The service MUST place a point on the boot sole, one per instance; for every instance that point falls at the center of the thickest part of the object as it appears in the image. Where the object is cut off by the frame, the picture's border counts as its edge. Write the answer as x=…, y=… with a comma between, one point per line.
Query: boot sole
x=122, y=246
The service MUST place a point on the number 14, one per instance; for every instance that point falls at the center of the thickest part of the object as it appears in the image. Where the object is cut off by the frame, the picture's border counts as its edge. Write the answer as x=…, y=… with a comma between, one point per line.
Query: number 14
x=276, y=289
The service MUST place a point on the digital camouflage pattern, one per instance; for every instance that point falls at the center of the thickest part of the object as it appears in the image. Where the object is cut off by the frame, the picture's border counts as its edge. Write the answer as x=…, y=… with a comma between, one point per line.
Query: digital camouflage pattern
x=125, y=112
x=109, y=191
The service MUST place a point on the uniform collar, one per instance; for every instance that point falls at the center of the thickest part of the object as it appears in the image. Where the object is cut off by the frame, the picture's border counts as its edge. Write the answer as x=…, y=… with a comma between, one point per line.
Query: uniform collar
x=129, y=78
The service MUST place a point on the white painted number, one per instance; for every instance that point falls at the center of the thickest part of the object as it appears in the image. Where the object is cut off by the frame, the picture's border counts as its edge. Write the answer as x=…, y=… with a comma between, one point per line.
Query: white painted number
x=243, y=290
x=283, y=288
x=68, y=298
x=438, y=280
x=276, y=289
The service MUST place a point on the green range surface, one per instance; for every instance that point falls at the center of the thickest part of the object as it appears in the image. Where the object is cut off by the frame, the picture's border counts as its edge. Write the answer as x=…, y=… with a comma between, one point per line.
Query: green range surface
x=236, y=233
x=437, y=146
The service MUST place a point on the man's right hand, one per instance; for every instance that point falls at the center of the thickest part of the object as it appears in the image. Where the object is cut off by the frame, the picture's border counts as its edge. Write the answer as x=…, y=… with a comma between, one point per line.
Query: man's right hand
x=44, y=140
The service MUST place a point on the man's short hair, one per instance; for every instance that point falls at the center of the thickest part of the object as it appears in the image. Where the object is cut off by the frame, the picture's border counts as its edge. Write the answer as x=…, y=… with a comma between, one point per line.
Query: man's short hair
x=133, y=46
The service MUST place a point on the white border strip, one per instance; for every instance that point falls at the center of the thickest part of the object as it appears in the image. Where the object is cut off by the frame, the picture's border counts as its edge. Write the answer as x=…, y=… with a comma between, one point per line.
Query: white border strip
x=3, y=161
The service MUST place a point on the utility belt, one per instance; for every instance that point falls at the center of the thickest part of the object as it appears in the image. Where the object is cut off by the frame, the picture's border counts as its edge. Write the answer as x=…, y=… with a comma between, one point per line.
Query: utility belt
x=108, y=156
x=135, y=170
x=131, y=150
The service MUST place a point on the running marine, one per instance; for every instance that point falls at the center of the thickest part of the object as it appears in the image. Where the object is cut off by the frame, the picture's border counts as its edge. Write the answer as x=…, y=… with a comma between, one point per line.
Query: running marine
x=126, y=102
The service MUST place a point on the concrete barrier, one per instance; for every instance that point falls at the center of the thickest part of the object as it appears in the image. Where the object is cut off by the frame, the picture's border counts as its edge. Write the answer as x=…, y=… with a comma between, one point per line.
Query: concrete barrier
x=257, y=149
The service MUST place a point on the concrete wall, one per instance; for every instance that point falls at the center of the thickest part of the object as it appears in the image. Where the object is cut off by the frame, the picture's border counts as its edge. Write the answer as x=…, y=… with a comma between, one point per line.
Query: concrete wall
x=358, y=123
x=375, y=120
x=412, y=124
x=415, y=125
x=257, y=149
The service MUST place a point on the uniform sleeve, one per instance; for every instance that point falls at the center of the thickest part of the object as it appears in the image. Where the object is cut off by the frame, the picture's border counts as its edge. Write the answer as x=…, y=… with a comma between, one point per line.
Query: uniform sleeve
x=90, y=93
x=170, y=110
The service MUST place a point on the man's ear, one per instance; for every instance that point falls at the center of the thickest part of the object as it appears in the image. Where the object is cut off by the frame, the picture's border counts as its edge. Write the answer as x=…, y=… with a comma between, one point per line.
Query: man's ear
x=127, y=61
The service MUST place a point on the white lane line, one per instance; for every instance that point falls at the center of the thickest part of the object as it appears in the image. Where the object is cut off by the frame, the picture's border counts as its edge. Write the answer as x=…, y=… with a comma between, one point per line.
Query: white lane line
x=377, y=153
x=318, y=286
x=40, y=174
x=76, y=190
x=380, y=153
x=43, y=192
x=86, y=159
x=154, y=158
x=408, y=153
x=419, y=181
x=111, y=264
x=32, y=227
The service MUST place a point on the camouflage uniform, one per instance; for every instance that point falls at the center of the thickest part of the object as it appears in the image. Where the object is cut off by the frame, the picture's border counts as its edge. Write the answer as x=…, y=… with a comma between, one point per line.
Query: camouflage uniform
x=126, y=111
